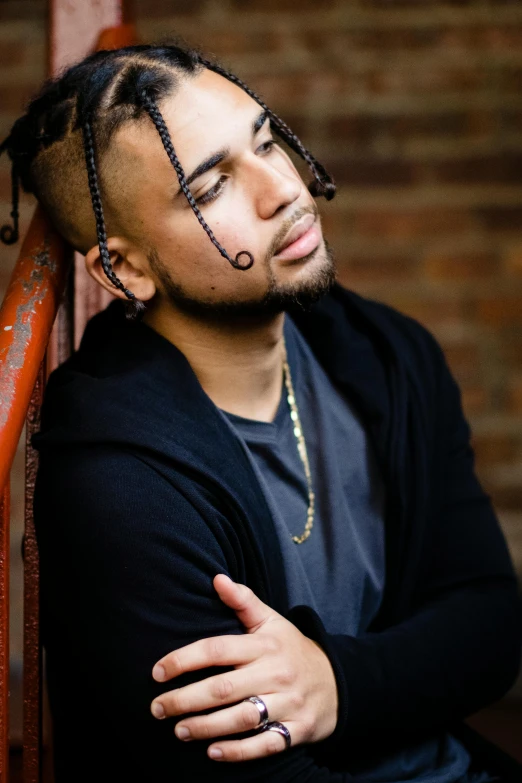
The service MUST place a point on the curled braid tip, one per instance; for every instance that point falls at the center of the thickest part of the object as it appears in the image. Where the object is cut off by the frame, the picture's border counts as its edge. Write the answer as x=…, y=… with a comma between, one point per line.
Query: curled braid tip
x=325, y=189
x=243, y=267
x=8, y=234
x=150, y=106
x=134, y=308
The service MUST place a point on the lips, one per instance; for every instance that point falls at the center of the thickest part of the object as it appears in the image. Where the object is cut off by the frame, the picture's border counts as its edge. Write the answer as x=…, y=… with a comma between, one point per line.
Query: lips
x=299, y=228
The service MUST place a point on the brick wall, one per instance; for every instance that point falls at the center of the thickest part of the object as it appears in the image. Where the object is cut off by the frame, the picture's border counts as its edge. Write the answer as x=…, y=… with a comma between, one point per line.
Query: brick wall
x=416, y=108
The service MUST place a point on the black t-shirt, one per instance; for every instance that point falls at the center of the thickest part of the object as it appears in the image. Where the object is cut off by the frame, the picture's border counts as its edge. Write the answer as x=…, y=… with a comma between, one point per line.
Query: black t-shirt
x=348, y=529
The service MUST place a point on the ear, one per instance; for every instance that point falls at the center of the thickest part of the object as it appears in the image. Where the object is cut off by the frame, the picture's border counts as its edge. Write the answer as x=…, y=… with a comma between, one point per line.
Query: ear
x=128, y=264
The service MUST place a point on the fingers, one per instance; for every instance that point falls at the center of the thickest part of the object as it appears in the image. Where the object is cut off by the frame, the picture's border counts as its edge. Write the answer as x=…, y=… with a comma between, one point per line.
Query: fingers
x=266, y=743
x=240, y=717
x=250, y=609
x=227, y=688
x=229, y=650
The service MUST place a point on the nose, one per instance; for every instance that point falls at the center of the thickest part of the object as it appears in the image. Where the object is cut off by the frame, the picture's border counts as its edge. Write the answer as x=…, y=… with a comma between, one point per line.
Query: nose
x=276, y=186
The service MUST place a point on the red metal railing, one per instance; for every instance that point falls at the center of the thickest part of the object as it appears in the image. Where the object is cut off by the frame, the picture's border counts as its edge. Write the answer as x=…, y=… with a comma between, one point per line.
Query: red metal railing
x=26, y=319
x=37, y=323
x=4, y=630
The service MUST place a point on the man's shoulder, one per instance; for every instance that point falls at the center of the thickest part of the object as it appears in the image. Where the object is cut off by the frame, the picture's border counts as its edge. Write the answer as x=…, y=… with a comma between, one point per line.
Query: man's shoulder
x=397, y=324
x=409, y=341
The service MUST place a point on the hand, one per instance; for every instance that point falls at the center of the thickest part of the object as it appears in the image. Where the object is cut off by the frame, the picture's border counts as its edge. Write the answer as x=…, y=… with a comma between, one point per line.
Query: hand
x=273, y=660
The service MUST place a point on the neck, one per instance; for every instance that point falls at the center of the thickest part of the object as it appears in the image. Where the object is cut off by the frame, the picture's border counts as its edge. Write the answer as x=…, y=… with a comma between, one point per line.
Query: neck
x=239, y=365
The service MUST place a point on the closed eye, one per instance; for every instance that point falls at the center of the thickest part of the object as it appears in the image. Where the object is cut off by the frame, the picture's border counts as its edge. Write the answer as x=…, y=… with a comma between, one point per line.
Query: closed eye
x=213, y=193
x=268, y=146
x=216, y=189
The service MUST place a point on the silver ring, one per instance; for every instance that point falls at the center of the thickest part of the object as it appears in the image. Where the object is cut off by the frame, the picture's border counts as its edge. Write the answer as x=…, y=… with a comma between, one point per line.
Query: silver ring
x=281, y=729
x=263, y=712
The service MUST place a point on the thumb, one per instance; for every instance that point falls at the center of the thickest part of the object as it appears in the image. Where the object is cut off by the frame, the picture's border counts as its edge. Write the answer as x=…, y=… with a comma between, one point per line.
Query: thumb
x=252, y=612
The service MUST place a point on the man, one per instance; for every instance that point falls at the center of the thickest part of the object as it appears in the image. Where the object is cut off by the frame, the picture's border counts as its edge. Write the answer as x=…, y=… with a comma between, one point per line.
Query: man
x=249, y=420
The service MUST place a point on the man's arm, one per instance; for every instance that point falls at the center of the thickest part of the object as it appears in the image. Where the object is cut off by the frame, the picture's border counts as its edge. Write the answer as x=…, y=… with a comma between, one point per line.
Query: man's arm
x=127, y=568
x=460, y=648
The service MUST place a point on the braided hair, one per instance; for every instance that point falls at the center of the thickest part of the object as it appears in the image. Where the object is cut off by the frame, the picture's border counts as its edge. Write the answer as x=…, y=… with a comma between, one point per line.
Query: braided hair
x=96, y=96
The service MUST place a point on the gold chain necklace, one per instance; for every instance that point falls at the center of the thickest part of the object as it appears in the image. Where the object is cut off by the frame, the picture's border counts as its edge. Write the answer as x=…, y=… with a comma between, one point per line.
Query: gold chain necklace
x=301, y=447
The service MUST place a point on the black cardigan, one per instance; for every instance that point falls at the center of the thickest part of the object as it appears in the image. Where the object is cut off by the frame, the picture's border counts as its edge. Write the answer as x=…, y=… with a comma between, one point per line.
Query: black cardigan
x=143, y=494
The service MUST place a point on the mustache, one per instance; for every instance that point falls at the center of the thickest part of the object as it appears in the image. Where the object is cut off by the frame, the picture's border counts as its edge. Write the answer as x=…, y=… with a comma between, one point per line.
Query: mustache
x=286, y=225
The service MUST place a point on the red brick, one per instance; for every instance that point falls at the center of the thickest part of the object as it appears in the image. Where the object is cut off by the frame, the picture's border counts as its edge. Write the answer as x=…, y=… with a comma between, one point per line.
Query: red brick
x=294, y=91
x=511, y=77
x=510, y=349
x=483, y=37
x=13, y=54
x=386, y=4
x=511, y=119
x=513, y=261
x=475, y=400
x=363, y=129
x=277, y=6
x=460, y=266
x=464, y=361
x=487, y=170
x=336, y=222
x=500, y=310
x=507, y=497
x=500, y=218
x=282, y=91
x=378, y=39
x=357, y=270
x=14, y=97
x=230, y=42
x=35, y=10
x=514, y=395
x=393, y=80
x=495, y=447
x=158, y=8
x=299, y=123
x=410, y=224
x=371, y=172
x=433, y=312
x=5, y=176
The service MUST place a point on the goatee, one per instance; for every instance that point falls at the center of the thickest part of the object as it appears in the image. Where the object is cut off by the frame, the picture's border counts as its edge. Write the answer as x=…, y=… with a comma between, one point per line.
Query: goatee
x=277, y=299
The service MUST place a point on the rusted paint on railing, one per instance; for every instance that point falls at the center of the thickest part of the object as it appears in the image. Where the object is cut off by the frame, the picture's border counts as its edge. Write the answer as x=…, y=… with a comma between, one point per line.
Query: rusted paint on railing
x=32, y=693
x=5, y=502
x=33, y=299
x=26, y=318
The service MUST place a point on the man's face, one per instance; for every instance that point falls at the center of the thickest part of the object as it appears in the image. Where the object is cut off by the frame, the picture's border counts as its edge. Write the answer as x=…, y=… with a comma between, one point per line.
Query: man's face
x=251, y=199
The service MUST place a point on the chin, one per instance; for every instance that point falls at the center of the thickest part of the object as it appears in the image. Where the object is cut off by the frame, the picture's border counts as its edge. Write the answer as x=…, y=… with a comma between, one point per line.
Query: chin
x=305, y=281
x=309, y=270
x=300, y=285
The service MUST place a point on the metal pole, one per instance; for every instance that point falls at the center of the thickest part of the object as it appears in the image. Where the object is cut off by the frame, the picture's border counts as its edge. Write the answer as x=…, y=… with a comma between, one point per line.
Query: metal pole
x=4, y=632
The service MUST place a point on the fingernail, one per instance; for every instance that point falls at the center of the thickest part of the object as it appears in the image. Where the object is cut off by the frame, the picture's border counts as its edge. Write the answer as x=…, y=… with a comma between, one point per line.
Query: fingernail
x=158, y=672
x=182, y=732
x=157, y=710
x=216, y=753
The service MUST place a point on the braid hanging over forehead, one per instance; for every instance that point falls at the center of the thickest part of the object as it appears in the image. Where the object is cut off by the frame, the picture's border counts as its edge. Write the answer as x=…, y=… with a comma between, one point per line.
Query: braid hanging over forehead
x=99, y=94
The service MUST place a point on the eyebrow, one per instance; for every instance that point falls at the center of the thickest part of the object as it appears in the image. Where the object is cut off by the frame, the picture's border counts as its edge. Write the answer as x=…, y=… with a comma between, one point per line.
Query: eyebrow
x=218, y=157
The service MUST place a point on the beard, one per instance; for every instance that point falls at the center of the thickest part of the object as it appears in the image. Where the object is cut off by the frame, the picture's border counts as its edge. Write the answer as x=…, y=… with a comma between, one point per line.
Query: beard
x=279, y=298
